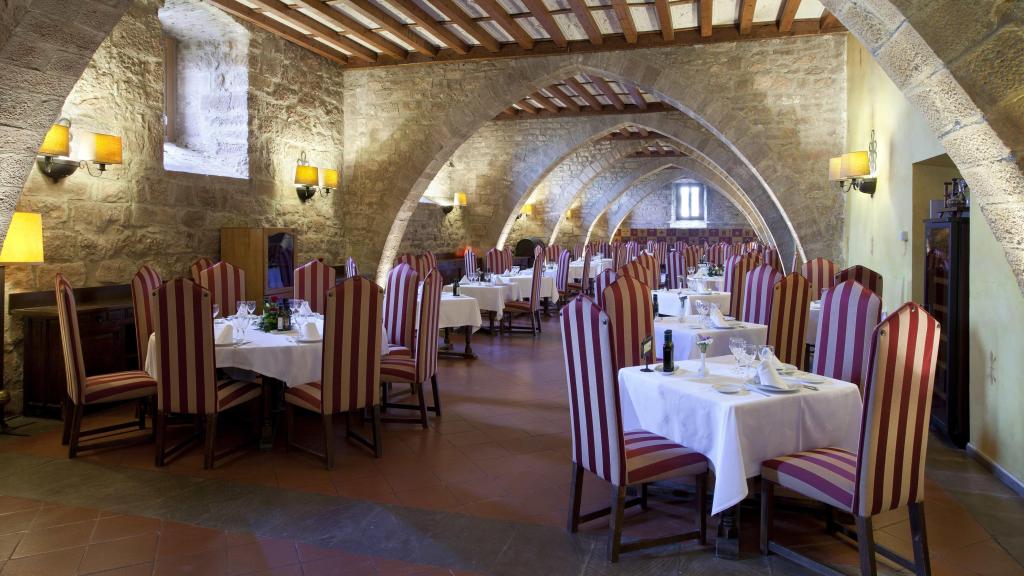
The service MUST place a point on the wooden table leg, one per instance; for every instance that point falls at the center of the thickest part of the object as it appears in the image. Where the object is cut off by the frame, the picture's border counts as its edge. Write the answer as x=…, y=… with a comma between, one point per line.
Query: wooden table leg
x=469, y=346
x=273, y=405
x=727, y=541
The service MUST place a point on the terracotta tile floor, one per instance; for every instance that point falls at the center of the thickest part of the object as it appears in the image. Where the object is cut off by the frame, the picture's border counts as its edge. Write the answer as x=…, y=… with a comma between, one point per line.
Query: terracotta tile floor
x=500, y=452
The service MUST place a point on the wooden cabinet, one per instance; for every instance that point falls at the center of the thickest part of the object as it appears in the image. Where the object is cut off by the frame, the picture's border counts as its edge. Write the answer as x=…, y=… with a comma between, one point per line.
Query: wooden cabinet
x=947, y=251
x=266, y=254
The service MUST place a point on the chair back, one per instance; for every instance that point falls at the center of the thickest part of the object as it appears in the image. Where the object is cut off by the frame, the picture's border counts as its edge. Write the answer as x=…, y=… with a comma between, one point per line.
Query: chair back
x=605, y=249
x=585, y=278
x=186, y=374
x=577, y=251
x=603, y=280
x=312, y=281
x=494, y=261
x=350, y=373
x=770, y=256
x=728, y=274
x=143, y=283
x=634, y=269
x=849, y=313
x=506, y=258
x=895, y=418
x=70, y=338
x=716, y=254
x=351, y=269
x=631, y=312
x=758, y=291
x=735, y=281
x=198, y=266
x=426, y=333
x=535, y=280
x=428, y=263
x=820, y=272
x=552, y=252
x=469, y=262
x=400, y=305
x=675, y=270
x=620, y=257
x=866, y=276
x=787, y=326
x=650, y=267
x=226, y=284
x=562, y=274
x=594, y=412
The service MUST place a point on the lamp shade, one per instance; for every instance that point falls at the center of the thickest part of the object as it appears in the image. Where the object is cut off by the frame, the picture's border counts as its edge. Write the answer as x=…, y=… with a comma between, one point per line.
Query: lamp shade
x=330, y=178
x=100, y=148
x=57, y=141
x=835, y=168
x=528, y=209
x=855, y=165
x=24, y=242
x=306, y=175
x=461, y=199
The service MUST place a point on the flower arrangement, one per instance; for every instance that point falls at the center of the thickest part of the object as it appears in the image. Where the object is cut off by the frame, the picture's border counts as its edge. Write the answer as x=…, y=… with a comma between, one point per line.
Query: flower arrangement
x=268, y=322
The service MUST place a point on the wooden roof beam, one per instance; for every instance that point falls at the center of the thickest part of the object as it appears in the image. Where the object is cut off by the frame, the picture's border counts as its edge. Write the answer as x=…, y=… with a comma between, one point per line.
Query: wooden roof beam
x=706, y=20
x=545, y=102
x=317, y=29
x=353, y=27
x=527, y=107
x=625, y=18
x=788, y=14
x=395, y=26
x=635, y=94
x=563, y=96
x=586, y=20
x=274, y=27
x=507, y=23
x=606, y=89
x=668, y=31
x=747, y=15
x=643, y=132
x=828, y=20
x=547, y=21
x=584, y=93
x=463, y=20
x=428, y=23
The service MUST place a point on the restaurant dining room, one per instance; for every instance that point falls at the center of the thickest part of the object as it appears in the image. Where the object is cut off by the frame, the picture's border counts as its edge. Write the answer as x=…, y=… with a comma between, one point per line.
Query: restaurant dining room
x=512, y=287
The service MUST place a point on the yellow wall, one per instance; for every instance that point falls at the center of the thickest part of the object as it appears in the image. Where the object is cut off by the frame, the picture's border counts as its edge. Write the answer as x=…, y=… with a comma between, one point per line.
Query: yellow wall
x=872, y=239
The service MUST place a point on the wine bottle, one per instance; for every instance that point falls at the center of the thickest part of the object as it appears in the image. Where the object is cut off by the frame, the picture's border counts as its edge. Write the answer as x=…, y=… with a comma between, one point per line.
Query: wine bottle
x=667, y=353
x=655, y=302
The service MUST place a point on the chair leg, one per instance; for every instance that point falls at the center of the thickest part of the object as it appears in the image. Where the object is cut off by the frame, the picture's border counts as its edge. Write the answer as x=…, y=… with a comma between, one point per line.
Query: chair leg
x=289, y=425
x=575, y=498
x=866, y=546
x=328, y=442
x=160, y=427
x=437, y=396
x=615, y=527
x=702, y=507
x=767, y=511
x=922, y=563
x=142, y=408
x=76, y=429
x=67, y=415
x=643, y=497
x=211, y=441
x=423, y=405
x=378, y=448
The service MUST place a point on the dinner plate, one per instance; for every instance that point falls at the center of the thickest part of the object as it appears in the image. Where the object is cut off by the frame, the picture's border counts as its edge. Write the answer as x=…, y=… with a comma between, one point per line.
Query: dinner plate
x=307, y=341
x=727, y=387
x=239, y=343
x=774, y=390
x=663, y=373
x=807, y=378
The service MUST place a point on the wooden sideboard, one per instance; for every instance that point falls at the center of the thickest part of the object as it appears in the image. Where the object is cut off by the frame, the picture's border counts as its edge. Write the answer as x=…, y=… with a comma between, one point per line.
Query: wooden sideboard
x=107, y=326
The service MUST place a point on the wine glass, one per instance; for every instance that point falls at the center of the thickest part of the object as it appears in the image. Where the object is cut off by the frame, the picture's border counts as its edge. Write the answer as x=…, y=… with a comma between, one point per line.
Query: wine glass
x=250, y=306
x=216, y=310
x=241, y=325
x=241, y=311
x=738, y=347
x=766, y=352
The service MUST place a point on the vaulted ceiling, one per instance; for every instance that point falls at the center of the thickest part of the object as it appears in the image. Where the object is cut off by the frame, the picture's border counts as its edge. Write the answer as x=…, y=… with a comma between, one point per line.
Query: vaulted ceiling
x=379, y=32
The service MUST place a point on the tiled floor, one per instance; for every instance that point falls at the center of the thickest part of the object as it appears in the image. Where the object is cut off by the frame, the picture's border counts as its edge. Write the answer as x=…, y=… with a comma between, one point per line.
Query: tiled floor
x=484, y=490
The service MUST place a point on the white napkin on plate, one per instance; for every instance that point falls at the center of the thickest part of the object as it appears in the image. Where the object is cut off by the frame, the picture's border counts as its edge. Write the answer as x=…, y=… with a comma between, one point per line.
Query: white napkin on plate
x=717, y=319
x=226, y=335
x=768, y=375
x=310, y=331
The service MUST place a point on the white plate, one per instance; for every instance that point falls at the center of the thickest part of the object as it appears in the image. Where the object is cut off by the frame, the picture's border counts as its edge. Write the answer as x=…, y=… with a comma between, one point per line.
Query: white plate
x=663, y=373
x=305, y=341
x=727, y=387
x=774, y=390
x=808, y=378
x=239, y=343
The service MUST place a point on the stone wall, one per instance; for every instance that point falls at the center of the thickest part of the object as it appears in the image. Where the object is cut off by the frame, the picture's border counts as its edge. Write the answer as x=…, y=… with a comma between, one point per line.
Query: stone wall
x=655, y=211
x=430, y=229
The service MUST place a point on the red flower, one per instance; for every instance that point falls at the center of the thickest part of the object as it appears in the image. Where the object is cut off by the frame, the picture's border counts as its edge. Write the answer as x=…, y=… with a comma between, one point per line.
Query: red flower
x=273, y=299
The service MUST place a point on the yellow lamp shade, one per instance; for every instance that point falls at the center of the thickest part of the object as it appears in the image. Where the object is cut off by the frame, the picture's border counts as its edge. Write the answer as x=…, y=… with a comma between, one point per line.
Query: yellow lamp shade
x=306, y=175
x=835, y=168
x=100, y=148
x=855, y=165
x=528, y=209
x=330, y=178
x=57, y=141
x=461, y=199
x=24, y=242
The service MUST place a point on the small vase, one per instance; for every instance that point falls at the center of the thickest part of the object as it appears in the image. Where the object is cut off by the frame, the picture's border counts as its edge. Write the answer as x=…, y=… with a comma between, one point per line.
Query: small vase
x=702, y=371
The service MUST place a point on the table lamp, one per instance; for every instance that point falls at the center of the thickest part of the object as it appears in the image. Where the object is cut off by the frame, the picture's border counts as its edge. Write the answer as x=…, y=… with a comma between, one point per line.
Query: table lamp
x=23, y=245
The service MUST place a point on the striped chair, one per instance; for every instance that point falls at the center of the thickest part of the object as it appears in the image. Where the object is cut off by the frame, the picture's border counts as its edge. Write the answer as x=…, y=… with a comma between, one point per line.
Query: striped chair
x=796, y=264
x=92, y=390
x=716, y=254
x=562, y=274
x=494, y=261
x=605, y=249
x=820, y=272
x=400, y=309
x=351, y=370
x=186, y=367
x=428, y=263
x=351, y=269
x=506, y=258
x=849, y=312
x=735, y=281
x=226, y=284
x=469, y=262
x=634, y=269
x=787, y=326
x=577, y=251
x=865, y=276
x=650, y=266
x=728, y=276
x=770, y=256
x=583, y=284
x=675, y=270
x=413, y=261
x=628, y=304
x=887, y=471
x=200, y=265
x=632, y=250
x=603, y=280
x=143, y=283
x=531, y=307
x=552, y=252
x=758, y=291
x=422, y=364
x=620, y=258
x=312, y=281
x=620, y=457
x=691, y=256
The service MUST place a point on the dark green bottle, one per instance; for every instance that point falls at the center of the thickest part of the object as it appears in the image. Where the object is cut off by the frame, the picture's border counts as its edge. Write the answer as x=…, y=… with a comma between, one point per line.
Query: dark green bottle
x=668, y=353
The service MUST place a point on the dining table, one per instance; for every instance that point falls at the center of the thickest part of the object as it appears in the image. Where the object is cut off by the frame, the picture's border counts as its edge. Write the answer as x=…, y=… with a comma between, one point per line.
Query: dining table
x=813, y=312
x=597, y=265
x=740, y=430
x=458, y=313
x=716, y=283
x=524, y=281
x=687, y=330
x=669, y=301
x=490, y=296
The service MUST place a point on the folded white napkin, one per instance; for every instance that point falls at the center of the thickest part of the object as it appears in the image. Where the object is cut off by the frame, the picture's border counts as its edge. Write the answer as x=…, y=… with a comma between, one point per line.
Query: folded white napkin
x=768, y=375
x=226, y=335
x=310, y=331
x=718, y=319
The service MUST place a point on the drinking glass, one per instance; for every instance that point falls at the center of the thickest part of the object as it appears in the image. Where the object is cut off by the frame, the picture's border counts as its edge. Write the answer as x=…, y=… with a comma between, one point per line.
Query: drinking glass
x=242, y=310
x=737, y=346
x=241, y=324
x=751, y=352
x=691, y=270
x=766, y=352
x=250, y=306
x=216, y=310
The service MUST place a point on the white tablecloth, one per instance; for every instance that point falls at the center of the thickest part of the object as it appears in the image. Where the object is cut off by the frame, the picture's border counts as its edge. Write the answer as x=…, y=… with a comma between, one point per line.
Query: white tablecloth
x=524, y=280
x=737, y=432
x=490, y=297
x=668, y=301
x=596, y=266
x=685, y=332
x=716, y=283
x=813, y=312
x=459, y=311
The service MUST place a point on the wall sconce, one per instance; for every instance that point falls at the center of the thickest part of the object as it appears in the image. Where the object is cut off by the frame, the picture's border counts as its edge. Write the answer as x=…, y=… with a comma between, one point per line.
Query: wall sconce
x=307, y=179
x=525, y=212
x=54, y=159
x=852, y=170
x=101, y=149
x=459, y=199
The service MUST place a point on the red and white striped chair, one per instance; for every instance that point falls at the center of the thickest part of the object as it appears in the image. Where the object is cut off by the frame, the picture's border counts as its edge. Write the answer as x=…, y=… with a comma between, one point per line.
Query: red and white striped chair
x=531, y=307
x=650, y=266
x=623, y=458
x=787, y=326
x=583, y=284
x=422, y=365
x=200, y=265
x=758, y=291
x=849, y=312
x=727, y=272
x=351, y=371
x=735, y=281
x=495, y=265
x=796, y=263
x=312, y=281
x=351, y=269
x=716, y=254
x=400, y=309
x=634, y=269
x=887, y=471
x=631, y=311
x=770, y=256
x=691, y=255
x=865, y=276
x=143, y=283
x=186, y=367
x=632, y=251
x=506, y=258
x=469, y=261
x=552, y=252
x=226, y=284
x=605, y=249
x=577, y=251
x=98, y=389
x=428, y=263
x=620, y=257
x=412, y=261
x=603, y=280
x=675, y=270
x=820, y=272
x=562, y=274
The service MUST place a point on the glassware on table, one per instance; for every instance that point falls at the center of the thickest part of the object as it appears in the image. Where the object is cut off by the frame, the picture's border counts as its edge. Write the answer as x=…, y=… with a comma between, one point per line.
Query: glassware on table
x=750, y=354
x=766, y=352
x=515, y=270
x=242, y=310
x=216, y=310
x=738, y=348
x=702, y=345
x=250, y=306
x=691, y=270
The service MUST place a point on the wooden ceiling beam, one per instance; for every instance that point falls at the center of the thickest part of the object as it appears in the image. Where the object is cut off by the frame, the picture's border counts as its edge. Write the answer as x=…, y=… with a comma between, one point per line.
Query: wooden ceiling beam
x=584, y=93
x=274, y=27
x=788, y=14
x=668, y=31
x=545, y=102
x=625, y=18
x=317, y=29
x=643, y=132
x=606, y=89
x=527, y=107
x=459, y=17
x=640, y=134
x=355, y=28
x=534, y=112
x=747, y=16
x=563, y=96
x=635, y=94
x=507, y=23
x=395, y=26
x=432, y=26
x=828, y=20
x=706, y=17
x=586, y=20
x=547, y=21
